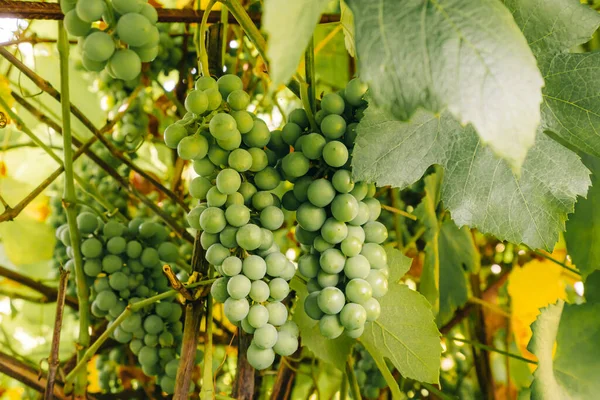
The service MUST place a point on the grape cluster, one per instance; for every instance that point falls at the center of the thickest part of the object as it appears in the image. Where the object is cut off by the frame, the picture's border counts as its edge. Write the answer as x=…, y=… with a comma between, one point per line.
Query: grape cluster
x=130, y=38
x=238, y=212
x=344, y=262
x=369, y=377
x=123, y=265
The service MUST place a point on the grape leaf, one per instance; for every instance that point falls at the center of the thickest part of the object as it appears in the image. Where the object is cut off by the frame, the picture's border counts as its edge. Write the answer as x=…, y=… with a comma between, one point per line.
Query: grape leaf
x=583, y=227
x=592, y=287
x=572, y=372
x=347, y=21
x=440, y=54
x=457, y=255
x=290, y=25
x=405, y=333
x=335, y=351
x=479, y=189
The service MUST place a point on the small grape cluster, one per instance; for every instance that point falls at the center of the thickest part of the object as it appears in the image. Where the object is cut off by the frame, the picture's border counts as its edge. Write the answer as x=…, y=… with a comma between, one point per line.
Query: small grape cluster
x=369, y=377
x=238, y=213
x=131, y=36
x=123, y=266
x=344, y=262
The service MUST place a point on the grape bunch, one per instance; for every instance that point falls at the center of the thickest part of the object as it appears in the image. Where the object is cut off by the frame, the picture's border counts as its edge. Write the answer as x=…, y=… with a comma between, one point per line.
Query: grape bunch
x=130, y=36
x=123, y=265
x=343, y=259
x=238, y=212
x=369, y=377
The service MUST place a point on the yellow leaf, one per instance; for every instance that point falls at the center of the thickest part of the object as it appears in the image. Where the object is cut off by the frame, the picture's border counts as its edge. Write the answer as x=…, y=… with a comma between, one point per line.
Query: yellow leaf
x=203, y=4
x=536, y=285
x=5, y=94
x=93, y=376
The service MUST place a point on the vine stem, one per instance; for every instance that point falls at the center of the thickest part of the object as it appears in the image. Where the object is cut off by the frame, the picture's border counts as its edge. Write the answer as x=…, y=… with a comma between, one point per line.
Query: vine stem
x=399, y=212
x=309, y=70
x=201, y=40
x=492, y=349
x=208, y=388
x=353, y=383
x=53, y=360
x=128, y=310
x=70, y=198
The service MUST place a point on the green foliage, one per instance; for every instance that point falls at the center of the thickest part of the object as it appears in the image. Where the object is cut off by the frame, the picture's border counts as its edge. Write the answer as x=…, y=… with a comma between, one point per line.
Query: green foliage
x=437, y=56
x=571, y=373
x=405, y=333
x=478, y=189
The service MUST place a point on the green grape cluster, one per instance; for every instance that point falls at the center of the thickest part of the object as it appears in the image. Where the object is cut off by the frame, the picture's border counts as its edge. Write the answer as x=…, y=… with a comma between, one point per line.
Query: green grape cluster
x=130, y=39
x=123, y=265
x=343, y=260
x=108, y=367
x=369, y=377
x=238, y=212
x=169, y=52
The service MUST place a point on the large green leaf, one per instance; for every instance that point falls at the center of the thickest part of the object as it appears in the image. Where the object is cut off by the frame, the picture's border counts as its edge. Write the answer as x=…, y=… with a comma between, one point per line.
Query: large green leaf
x=583, y=227
x=441, y=54
x=458, y=255
x=573, y=371
x=290, y=25
x=592, y=288
x=479, y=189
x=405, y=333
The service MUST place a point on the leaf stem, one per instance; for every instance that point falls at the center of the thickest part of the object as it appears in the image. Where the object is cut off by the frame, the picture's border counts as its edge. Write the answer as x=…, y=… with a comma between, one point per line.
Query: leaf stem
x=309, y=71
x=492, y=349
x=555, y=261
x=354, y=387
x=399, y=212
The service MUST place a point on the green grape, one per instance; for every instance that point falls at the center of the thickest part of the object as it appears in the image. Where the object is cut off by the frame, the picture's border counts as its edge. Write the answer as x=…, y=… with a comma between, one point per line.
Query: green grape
x=279, y=289
x=332, y=261
x=357, y=267
x=375, y=232
x=354, y=92
x=238, y=287
x=216, y=254
x=237, y=215
x=118, y=281
x=259, y=159
x=335, y=154
x=111, y=263
x=215, y=198
x=333, y=103
x=259, y=292
x=305, y=237
x=98, y=46
x=350, y=135
x=90, y=10
x=378, y=283
x=299, y=117
x=267, y=239
x=164, y=309
x=344, y=207
x=125, y=64
x=259, y=135
x=262, y=200
x=362, y=217
x=232, y=142
x=192, y=147
x=205, y=83
x=277, y=144
x=167, y=384
x=313, y=145
x=276, y=263
x=355, y=333
x=311, y=306
x=168, y=252
x=171, y=368
x=227, y=237
x=286, y=344
x=331, y=300
x=321, y=244
x=101, y=284
x=75, y=25
x=153, y=324
x=265, y=336
x=67, y=5
x=236, y=309
x=291, y=328
x=360, y=190
x=319, y=115
x=146, y=54
x=235, y=199
x=290, y=133
x=240, y=160
x=238, y=100
x=271, y=218
x=260, y=358
x=214, y=98
x=149, y=257
x=353, y=316
x=325, y=279
x=351, y=246
x=330, y=326
x=135, y=346
x=217, y=155
x=295, y=164
x=127, y=6
x=106, y=300
x=91, y=248
x=116, y=245
x=313, y=285
x=193, y=218
x=148, y=356
x=254, y=267
x=121, y=336
x=278, y=313
x=244, y=121
x=228, y=83
x=132, y=323
x=247, y=190
x=375, y=254
x=333, y=126
x=258, y=316
x=87, y=223
x=134, y=29
x=267, y=179
x=232, y=266
x=174, y=134
x=222, y=126
x=371, y=190
x=113, y=229
x=301, y=188
x=228, y=181
x=91, y=65
x=246, y=327
x=289, y=201
x=310, y=217
x=218, y=290
x=334, y=231
x=150, y=13
x=373, y=309
x=213, y=220
x=92, y=267
x=320, y=192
